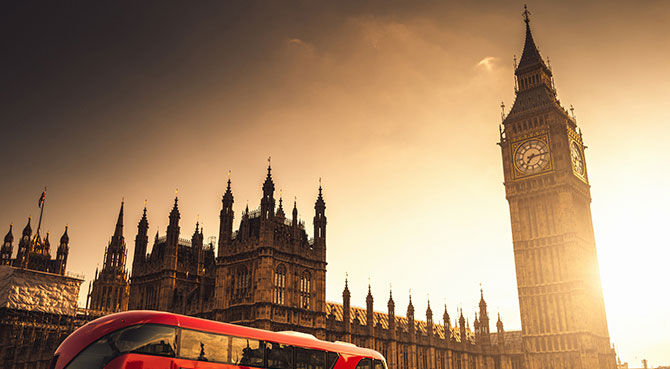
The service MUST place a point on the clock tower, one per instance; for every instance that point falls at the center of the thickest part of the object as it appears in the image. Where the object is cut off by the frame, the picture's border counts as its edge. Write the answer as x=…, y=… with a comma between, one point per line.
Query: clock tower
x=547, y=186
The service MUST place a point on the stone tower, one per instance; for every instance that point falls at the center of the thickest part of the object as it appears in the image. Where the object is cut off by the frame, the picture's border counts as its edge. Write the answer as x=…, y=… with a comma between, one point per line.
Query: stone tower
x=547, y=187
x=109, y=292
x=269, y=274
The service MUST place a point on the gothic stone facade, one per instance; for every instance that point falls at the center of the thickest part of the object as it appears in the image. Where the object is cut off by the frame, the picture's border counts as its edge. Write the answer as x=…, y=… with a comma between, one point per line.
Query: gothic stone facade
x=109, y=290
x=269, y=274
x=547, y=187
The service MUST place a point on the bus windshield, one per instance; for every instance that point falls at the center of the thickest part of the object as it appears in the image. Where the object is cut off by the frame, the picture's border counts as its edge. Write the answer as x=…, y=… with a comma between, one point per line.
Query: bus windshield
x=150, y=339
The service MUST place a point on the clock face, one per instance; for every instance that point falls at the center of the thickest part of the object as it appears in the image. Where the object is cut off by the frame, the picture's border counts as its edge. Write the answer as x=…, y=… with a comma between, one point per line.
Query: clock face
x=532, y=156
x=576, y=158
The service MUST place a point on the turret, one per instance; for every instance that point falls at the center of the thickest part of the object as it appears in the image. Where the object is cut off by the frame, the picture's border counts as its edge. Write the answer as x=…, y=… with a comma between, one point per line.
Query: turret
x=46, y=245
x=24, y=246
x=369, y=301
x=346, y=306
x=429, y=321
x=141, y=241
x=226, y=220
x=501, y=331
x=410, y=316
x=447, y=323
x=280, y=211
x=461, y=322
x=485, y=332
x=115, y=257
x=197, y=248
x=173, y=226
x=294, y=220
x=391, y=313
x=62, y=253
x=172, y=237
x=7, y=248
x=320, y=221
x=268, y=200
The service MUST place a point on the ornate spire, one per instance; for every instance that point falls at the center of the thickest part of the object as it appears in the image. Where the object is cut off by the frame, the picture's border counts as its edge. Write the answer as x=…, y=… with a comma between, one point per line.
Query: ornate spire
x=391, y=303
x=228, y=195
x=118, y=231
x=174, y=214
x=27, y=230
x=144, y=223
x=530, y=58
x=280, y=210
x=346, y=292
x=46, y=244
x=64, y=239
x=268, y=201
x=9, y=237
x=320, y=204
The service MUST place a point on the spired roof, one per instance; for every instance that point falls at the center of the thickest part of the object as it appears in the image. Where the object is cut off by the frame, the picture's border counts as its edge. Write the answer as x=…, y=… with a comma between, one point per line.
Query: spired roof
x=402, y=324
x=530, y=58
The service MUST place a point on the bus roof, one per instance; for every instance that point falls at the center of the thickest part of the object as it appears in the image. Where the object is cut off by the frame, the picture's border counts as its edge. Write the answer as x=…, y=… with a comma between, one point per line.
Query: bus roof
x=95, y=329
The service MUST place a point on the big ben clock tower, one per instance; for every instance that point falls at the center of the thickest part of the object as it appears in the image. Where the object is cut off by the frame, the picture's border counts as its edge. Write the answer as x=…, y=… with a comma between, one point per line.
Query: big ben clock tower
x=547, y=187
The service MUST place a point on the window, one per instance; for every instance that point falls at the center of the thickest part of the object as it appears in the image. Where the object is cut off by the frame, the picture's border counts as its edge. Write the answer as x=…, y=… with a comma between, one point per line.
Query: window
x=365, y=363
x=203, y=346
x=149, y=339
x=246, y=351
x=378, y=364
x=309, y=359
x=279, y=356
x=305, y=288
x=279, y=285
x=241, y=283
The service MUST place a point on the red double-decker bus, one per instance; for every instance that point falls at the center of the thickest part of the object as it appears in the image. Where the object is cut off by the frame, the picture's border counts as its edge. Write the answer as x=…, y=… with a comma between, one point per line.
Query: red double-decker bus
x=152, y=339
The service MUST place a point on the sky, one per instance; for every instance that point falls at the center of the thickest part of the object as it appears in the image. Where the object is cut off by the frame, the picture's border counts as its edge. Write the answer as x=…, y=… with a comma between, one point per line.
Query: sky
x=394, y=104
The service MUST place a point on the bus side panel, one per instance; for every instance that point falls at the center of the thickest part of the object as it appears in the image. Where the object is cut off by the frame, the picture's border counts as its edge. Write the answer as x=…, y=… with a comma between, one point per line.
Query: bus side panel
x=137, y=361
x=347, y=361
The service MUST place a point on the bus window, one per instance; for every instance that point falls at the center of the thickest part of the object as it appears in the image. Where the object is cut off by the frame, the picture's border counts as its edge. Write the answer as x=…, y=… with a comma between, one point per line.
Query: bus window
x=365, y=363
x=146, y=339
x=279, y=356
x=331, y=359
x=378, y=364
x=150, y=339
x=203, y=346
x=309, y=359
x=245, y=351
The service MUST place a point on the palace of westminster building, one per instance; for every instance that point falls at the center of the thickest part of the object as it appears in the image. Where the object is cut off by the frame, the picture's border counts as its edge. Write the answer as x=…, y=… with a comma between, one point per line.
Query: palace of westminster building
x=269, y=274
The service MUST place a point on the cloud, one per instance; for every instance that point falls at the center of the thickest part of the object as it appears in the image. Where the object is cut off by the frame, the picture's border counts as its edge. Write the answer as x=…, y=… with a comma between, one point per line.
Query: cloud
x=488, y=62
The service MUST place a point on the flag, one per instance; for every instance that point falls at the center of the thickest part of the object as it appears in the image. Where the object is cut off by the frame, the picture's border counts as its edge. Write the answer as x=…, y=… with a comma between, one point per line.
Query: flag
x=41, y=201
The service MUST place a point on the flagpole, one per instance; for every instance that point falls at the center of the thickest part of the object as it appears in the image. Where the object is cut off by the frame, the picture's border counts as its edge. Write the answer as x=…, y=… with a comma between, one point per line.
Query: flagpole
x=39, y=223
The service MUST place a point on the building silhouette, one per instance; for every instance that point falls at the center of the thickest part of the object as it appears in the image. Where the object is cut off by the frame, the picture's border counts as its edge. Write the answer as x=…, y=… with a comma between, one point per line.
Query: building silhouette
x=269, y=274
x=177, y=275
x=547, y=187
x=109, y=290
x=33, y=252
x=38, y=300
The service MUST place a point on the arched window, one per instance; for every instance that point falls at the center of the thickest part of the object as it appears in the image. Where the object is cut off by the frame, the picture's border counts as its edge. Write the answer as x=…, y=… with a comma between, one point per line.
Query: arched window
x=305, y=289
x=279, y=282
x=241, y=283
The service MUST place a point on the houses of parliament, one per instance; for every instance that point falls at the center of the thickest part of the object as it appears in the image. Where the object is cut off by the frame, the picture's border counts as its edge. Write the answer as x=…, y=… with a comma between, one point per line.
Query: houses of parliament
x=266, y=272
